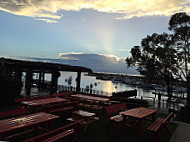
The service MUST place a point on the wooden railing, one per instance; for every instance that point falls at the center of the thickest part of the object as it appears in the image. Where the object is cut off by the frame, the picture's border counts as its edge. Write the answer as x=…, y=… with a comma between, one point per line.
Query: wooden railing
x=83, y=90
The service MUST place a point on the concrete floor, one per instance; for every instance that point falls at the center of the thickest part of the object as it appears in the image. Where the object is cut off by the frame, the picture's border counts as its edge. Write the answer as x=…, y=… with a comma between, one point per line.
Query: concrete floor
x=182, y=133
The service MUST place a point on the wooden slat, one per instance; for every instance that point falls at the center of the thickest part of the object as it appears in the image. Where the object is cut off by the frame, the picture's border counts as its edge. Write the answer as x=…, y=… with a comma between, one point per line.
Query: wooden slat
x=25, y=121
x=101, y=99
x=43, y=101
x=54, y=135
x=62, y=94
x=155, y=126
x=59, y=136
x=139, y=113
x=9, y=113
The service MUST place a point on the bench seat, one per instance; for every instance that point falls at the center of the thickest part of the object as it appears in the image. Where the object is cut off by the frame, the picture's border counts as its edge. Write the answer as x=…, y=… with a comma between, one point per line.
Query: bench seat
x=157, y=126
x=59, y=133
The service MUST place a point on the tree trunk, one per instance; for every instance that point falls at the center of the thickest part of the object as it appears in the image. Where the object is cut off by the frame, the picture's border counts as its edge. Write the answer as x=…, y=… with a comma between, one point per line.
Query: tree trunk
x=188, y=89
x=169, y=91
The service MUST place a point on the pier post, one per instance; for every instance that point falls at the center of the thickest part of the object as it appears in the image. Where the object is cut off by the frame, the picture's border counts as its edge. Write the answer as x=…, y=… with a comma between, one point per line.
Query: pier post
x=78, y=81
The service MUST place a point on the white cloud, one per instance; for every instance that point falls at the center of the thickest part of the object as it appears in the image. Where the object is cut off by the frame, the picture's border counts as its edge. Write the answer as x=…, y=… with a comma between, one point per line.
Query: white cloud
x=127, y=50
x=47, y=20
x=130, y=8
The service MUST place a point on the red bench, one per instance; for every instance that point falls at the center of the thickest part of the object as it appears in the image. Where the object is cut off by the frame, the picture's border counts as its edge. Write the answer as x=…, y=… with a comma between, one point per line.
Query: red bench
x=157, y=126
x=14, y=112
x=62, y=94
x=59, y=133
x=112, y=110
x=60, y=107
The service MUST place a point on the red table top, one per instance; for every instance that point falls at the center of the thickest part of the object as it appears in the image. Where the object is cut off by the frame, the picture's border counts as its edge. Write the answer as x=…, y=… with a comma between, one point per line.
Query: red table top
x=101, y=99
x=139, y=113
x=43, y=101
x=25, y=121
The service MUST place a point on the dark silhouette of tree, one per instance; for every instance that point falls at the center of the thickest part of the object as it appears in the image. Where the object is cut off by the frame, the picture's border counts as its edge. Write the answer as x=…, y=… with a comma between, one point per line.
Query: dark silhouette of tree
x=180, y=25
x=155, y=59
x=164, y=57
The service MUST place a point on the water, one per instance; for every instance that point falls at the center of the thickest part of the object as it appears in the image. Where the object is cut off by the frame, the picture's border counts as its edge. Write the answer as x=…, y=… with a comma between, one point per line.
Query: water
x=69, y=79
x=101, y=85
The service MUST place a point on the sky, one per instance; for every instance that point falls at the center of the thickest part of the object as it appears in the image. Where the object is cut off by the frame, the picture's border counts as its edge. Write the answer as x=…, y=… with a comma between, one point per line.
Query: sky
x=65, y=29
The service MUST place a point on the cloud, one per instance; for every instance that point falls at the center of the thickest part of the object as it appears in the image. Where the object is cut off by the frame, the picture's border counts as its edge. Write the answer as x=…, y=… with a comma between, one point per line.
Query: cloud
x=47, y=20
x=97, y=62
x=130, y=8
x=127, y=50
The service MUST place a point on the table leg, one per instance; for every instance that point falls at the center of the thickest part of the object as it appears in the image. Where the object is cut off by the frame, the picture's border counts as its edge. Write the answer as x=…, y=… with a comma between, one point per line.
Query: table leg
x=140, y=130
x=50, y=124
x=153, y=117
x=123, y=124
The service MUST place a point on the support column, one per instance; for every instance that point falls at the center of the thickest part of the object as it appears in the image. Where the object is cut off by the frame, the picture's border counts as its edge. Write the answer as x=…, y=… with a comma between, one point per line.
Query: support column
x=43, y=76
x=78, y=81
x=54, y=80
x=18, y=72
x=3, y=69
x=28, y=81
x=39, y=81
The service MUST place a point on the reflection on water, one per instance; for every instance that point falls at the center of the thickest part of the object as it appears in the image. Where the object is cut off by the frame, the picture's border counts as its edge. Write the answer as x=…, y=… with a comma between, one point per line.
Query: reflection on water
x=108, y=87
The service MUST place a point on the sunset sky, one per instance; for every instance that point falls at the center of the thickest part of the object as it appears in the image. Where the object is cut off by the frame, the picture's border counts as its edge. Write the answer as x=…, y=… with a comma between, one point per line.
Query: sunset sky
x=59, y=28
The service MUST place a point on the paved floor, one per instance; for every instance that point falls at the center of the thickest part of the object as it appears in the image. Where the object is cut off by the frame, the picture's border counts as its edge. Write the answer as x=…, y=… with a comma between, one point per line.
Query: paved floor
x=182, y=133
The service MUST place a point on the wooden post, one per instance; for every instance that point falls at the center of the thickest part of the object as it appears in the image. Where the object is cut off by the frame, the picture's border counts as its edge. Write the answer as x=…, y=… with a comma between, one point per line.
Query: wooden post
x=18, y=72
x=43, y=76
x=28, y=83
x=40, y=80
x=78, y=81
x=3, y=68
x=54, y=80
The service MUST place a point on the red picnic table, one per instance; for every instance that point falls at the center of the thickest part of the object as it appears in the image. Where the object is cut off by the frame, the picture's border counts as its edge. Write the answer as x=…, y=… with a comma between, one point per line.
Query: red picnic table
x=12, y=124
x=88, y=97
x=92, y=100
x=138, y=115
x=42, y=102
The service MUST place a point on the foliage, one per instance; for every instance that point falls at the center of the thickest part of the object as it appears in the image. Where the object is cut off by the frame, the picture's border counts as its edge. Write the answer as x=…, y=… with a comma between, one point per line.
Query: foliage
x=180, y=25
x=10, y=88
x=165, y=57
x=155, y=58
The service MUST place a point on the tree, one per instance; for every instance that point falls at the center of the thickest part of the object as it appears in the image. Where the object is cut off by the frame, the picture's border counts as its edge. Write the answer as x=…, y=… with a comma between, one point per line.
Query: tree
x=180, y=25
x=155, y=59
